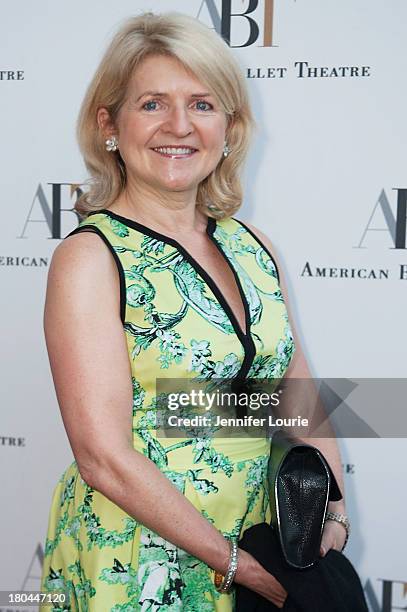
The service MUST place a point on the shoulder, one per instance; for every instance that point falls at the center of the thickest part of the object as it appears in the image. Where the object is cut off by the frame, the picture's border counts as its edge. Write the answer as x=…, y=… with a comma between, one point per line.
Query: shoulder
x=81, y=253
x=82, y=277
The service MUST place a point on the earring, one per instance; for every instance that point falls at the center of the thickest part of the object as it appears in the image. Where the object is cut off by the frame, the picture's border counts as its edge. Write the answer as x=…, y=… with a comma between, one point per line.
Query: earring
x=226, y=149
x=112, y=144
x=213, y=207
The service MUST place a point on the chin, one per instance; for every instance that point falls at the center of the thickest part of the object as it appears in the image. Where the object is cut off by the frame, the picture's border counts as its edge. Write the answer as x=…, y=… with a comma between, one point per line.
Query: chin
x=179, y=185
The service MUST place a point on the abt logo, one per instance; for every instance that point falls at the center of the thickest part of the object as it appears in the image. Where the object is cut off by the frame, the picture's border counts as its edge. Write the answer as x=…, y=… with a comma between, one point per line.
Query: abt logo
x=51, y=211
x=392, y=592
x=245, y=14
x=395, y=226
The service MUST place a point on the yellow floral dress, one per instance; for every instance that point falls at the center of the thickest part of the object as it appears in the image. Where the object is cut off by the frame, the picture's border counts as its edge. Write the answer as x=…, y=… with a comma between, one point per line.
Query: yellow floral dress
x=177, y=325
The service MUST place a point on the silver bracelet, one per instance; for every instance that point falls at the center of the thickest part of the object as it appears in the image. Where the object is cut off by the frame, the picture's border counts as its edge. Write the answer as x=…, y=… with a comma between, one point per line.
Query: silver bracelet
x=343, y=520
x=226, y=584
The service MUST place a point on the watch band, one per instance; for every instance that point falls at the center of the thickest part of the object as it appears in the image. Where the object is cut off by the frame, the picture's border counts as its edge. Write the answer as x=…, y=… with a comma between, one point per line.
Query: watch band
x=343, y=520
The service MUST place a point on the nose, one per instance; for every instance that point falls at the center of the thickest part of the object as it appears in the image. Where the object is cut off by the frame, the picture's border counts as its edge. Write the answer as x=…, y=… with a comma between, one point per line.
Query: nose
x=178, y=121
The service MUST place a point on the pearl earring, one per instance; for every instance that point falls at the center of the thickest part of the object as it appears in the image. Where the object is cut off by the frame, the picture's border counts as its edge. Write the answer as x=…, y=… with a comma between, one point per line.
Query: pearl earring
x=112, y=144
x=226, y=149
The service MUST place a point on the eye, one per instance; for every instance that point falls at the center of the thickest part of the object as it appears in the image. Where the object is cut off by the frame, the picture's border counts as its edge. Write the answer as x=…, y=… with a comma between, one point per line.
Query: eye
x=202, y=105
x=151, y=105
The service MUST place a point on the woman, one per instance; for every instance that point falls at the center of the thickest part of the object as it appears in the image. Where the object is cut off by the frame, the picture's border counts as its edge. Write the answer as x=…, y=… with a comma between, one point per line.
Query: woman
x=183, y=290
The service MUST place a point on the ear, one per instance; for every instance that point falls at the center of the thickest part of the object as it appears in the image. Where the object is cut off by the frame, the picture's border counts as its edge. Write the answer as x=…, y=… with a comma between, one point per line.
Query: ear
x=105, y=123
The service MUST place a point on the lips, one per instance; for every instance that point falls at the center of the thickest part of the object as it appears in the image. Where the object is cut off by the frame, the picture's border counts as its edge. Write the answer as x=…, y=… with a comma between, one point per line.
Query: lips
x=175, y=151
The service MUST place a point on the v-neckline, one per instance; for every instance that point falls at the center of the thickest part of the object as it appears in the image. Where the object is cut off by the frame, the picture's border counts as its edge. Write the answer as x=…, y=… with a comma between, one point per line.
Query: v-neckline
x=244, y=335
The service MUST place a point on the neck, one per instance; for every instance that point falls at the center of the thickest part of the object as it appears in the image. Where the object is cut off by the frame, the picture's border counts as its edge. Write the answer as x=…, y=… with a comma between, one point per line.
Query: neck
x=169, y=212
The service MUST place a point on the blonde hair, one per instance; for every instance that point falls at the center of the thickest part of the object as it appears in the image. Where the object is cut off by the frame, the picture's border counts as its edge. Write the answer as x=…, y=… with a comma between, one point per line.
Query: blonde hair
x=203, y=53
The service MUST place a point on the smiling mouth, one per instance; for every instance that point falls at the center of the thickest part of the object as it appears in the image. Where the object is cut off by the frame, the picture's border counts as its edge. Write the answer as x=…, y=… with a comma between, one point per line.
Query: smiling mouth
x=178, y=152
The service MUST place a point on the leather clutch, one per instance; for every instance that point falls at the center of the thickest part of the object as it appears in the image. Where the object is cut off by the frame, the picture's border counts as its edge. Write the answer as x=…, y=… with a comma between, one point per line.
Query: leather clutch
x=300, y=483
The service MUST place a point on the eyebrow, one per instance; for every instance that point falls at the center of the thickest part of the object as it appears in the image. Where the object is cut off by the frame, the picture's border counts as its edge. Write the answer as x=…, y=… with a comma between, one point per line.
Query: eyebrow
x=159, y=94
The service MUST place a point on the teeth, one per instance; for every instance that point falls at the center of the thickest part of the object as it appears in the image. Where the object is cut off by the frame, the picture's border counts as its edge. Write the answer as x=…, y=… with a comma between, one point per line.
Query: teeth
x=174, y=150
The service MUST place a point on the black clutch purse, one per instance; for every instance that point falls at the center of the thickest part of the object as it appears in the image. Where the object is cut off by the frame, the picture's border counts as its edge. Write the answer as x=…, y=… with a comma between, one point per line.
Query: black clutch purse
x=300, y=483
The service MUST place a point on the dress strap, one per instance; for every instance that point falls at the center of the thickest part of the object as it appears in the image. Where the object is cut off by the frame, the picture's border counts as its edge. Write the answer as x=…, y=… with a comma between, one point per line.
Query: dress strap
x=260, y=243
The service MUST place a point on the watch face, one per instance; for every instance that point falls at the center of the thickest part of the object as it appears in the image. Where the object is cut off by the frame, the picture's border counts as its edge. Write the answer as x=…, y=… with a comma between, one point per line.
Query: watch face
x=218, y=579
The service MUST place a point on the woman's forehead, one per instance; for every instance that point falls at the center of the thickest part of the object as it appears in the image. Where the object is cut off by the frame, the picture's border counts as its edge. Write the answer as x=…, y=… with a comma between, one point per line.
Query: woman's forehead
x=166, y=70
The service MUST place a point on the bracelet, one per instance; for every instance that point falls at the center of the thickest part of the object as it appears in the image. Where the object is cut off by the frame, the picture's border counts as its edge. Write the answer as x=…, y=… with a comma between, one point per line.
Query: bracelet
x=223, y=583
x=343, y=520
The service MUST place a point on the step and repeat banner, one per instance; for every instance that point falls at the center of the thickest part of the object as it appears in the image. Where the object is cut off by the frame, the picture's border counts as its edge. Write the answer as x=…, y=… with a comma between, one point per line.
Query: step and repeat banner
x=326, y=180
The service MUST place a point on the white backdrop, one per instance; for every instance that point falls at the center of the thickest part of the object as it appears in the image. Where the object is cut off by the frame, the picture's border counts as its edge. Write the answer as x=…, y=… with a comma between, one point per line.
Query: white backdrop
x=323, y=180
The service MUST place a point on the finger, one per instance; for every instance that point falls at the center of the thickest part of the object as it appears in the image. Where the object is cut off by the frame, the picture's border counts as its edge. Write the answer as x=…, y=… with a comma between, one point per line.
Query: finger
x=326, y=543
x=281, y=601
x=281, y=595
x=278, y=588
x=325, y=546
x=277, y=597
x=277, y=601
x=281, y=592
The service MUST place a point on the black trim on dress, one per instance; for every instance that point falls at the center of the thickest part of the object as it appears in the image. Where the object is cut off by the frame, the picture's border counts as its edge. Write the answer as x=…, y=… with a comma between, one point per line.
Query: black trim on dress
x=245, y=338
x=261, y=243
x=96, y=230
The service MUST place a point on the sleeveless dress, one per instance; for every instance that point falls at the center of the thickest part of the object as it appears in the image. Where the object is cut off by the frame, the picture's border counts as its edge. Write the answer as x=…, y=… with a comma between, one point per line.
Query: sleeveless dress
x=177, y=325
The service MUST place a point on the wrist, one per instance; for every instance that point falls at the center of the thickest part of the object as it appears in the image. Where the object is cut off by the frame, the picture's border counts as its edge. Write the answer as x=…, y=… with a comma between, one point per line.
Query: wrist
x=343, y=520
x=337, y=506
x=223, y=557
x=223, y=582
x=248, y=569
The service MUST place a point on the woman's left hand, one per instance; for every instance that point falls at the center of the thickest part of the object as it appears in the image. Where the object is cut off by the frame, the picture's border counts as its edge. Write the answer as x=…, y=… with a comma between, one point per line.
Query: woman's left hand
x=333, y=536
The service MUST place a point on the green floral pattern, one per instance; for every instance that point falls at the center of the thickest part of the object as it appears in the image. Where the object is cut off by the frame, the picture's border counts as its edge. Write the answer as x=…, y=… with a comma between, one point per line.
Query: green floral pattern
x=176, y=326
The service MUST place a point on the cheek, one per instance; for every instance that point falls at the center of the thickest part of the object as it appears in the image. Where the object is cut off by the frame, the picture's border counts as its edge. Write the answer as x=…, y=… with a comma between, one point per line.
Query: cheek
x=214, y=137
x=137, y=132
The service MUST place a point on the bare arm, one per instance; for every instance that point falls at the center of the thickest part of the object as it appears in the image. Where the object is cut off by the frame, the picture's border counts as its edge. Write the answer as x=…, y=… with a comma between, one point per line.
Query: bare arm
x=91, y=370
x=299, y=368
x=92, y=375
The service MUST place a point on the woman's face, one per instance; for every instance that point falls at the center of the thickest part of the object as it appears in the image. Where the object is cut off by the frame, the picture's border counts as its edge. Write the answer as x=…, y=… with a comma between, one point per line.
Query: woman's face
x=171, y=129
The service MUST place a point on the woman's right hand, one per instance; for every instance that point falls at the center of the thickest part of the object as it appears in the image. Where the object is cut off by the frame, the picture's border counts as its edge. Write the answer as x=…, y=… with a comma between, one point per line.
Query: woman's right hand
x=251, y=574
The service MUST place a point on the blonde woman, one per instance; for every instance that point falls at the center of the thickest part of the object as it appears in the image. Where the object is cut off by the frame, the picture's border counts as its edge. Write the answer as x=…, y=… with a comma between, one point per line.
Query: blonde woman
x=161, y=281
